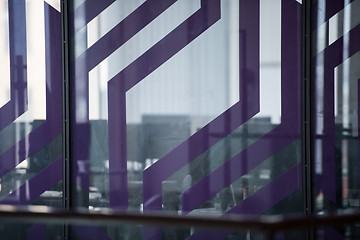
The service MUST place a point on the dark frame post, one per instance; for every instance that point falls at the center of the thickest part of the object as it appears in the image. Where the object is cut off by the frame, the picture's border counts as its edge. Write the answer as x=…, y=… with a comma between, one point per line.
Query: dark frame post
x=306, y=112
x=66, y=110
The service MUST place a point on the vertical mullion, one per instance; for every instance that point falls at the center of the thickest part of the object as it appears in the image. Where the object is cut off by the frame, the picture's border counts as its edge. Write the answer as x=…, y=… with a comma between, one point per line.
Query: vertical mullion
x=65, y=110
x=306, y=110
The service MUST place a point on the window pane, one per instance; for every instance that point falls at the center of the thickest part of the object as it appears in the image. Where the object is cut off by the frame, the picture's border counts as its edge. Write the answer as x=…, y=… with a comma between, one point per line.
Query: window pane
x=30, y=111
x=189, y=107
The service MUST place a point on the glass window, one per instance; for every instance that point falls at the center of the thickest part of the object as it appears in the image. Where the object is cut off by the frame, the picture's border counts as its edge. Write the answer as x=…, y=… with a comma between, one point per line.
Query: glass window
x=335, y=87
x=31, y=104
x=192, y=107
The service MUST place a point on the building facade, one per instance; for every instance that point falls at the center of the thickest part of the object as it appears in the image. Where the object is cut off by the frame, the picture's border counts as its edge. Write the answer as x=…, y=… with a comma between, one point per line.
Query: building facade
x=188, y=107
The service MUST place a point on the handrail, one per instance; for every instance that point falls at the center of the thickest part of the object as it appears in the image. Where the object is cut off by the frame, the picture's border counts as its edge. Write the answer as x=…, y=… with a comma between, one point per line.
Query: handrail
x=274, y=223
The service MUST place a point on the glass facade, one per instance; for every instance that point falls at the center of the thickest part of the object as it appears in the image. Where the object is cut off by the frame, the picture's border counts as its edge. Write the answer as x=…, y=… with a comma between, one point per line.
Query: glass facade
x=185, y=107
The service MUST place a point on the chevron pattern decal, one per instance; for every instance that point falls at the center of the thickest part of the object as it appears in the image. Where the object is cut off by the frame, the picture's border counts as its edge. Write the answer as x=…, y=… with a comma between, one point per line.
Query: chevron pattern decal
x=335, y=119
x=202, y=140
x=50, y=129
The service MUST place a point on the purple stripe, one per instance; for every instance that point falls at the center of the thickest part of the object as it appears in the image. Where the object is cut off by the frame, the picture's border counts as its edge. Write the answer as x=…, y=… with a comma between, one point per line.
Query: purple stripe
x=236, y=167
x=122, y=32
x=18, y=65
x=53, y=125
x=38, y=138
x=117, y=149
x=262, y=200
x=86, y=12
x=35, y=186
x=249, y=66
x=278, y=138
x=333, y=56
x=134, y=73
x=274, y=192
x=37, y=232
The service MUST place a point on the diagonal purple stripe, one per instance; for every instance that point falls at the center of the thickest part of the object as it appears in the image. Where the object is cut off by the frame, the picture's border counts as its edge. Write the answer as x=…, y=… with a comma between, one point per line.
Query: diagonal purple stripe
x=273, y=141
x=262, y=200
x=53, y=125
x=232, y=118
x=122, y=32
x=38, y=138
x=164, y=50
x=333, y=56
x=265, y=198
x=45, y=179
x=328, y=8
x=86, y=12
x=239, y=165
x=171, y=44
x=18, y=64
